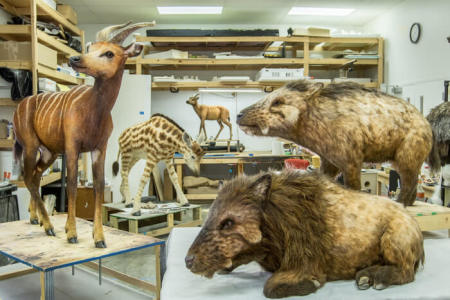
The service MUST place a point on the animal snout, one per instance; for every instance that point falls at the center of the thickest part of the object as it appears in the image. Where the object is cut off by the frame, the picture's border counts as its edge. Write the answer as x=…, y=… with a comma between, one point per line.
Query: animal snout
x=239, y=116
x=189, y=260
x=73, y=60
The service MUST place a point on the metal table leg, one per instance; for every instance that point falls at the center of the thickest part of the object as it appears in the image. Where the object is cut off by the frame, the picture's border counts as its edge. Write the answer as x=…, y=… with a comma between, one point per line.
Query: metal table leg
x=47, y=285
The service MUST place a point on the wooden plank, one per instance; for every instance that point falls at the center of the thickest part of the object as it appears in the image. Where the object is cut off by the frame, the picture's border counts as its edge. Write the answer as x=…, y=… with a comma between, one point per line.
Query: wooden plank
x=435, y=222
x=133, y=226
x=52, y=177
x=222, y=62
x=380, y=71
x=341, y=61
x=420, y=208
x=8, y=102
x=168, y=186
x=158, y=183
x=15, y=32
x=58, y=76
x=17, y=273
x=201, y=196
x=6, y=143
x=16, y=64
x=42, y=280
x=170, y=220
x=123, y=277
x=20, y=239
x=158, y=271
x=34, y=46
x=53, y=43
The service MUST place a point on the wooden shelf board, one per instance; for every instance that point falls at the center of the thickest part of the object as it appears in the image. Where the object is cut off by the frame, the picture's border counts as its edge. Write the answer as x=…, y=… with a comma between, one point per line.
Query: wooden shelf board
x=53, y=43
x=52, y=177
x=58, y=76
x=201, y=196
x=15, y=32
x=224, y=62
x=16, y=64
x=341, y=61
x=193, y=85
x=46, y=13
x=220, y=39
x=8, y=102
x=6, y=144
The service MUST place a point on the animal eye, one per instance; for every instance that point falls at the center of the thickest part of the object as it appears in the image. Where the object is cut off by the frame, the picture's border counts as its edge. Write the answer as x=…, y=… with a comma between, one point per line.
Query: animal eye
x=108, y=54
x=277, y=102
x=226, y=224
x=193, y=157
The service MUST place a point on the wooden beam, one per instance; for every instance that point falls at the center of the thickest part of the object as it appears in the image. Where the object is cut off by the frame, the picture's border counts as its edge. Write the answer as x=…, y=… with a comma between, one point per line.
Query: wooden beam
x=53, y=43
x=34, y=46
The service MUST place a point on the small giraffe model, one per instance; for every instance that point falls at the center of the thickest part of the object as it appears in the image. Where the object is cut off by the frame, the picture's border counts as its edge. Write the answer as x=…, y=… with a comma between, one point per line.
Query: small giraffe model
x=155, y=140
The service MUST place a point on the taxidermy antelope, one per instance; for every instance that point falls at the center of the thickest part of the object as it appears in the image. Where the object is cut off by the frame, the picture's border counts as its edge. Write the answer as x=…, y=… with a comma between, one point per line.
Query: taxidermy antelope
x=73, y=122
x=155, y=140
x=206, y=112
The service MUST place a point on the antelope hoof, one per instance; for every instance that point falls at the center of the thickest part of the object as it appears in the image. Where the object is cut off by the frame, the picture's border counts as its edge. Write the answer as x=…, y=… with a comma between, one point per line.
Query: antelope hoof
x=100, y=244
x=185, y=204
x=34, y=221
x=136, y=213
x=72, y=240
x=129, y=205
x=50, y=232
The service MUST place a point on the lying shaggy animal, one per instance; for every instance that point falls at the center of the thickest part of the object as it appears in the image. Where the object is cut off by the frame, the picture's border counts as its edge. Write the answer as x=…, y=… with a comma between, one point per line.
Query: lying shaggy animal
x=307, y=230
x=346, y=124
x=439, y=118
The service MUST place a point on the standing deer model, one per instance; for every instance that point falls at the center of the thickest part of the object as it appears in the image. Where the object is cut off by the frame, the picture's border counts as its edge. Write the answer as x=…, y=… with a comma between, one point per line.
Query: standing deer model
x=155, y=140
x=73, y=122
x=206, y=112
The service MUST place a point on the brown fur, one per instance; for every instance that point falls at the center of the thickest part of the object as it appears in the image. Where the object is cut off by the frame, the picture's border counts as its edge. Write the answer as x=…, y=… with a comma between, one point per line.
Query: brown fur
x=152, y=141
x=72, y=122
x=307, y=230
x=439, y=118
x=205, y=112
x=346, y=124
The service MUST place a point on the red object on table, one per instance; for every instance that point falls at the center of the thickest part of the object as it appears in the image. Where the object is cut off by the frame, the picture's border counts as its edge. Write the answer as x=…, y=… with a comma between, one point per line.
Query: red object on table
x=296, y=163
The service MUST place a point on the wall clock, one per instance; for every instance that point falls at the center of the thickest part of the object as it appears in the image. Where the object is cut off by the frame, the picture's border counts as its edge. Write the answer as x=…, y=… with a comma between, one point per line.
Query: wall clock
x=414, y=33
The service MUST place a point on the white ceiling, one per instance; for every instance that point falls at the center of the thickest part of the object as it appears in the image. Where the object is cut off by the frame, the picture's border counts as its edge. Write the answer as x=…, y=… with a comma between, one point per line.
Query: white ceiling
x=234, y=11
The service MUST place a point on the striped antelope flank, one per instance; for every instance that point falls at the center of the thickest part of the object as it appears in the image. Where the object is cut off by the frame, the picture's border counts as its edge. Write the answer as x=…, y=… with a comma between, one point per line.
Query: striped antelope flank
x=55, y=123
x=155, y=140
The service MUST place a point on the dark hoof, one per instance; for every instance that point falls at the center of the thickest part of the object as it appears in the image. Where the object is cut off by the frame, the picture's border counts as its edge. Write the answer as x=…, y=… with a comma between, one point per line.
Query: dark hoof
x=137, y=213
x=129, y=205
x=186, y=204
x=100, y=244
x=34, y=221
x=73, y=240
x=50, y=232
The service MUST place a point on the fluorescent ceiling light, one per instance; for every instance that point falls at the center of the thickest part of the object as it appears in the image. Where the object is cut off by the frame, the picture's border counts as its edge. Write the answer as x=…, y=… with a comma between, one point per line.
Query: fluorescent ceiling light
x=320, y=11
x=189, y=10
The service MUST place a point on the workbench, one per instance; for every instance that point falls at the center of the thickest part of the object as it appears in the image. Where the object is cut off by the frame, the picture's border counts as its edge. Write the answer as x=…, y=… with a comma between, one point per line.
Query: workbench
x=29, y=245
x=238, y=159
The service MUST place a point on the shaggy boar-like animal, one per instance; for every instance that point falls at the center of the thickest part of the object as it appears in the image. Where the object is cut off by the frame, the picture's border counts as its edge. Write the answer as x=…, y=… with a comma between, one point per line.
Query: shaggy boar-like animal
x=307, y=230
x=439, y=118
x=346, y=124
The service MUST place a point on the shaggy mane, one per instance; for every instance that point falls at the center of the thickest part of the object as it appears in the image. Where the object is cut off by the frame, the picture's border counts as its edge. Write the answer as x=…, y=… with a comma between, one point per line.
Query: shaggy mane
x=170, y=120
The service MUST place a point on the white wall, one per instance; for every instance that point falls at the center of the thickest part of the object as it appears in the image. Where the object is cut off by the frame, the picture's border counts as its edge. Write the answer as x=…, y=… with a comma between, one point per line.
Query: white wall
x=419, y=68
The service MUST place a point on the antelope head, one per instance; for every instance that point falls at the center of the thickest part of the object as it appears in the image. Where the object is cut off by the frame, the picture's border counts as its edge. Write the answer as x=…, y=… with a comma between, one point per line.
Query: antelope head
x=193, y=99
x=107, y=55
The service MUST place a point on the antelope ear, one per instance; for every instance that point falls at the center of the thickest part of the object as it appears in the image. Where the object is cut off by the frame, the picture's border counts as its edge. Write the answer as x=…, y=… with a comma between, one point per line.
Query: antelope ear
x=133, y=49
x=187, y=139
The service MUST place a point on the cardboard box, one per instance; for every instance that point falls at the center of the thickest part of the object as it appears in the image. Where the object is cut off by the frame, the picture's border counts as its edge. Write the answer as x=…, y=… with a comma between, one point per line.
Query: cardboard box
x=68, y=13
x=12, y=50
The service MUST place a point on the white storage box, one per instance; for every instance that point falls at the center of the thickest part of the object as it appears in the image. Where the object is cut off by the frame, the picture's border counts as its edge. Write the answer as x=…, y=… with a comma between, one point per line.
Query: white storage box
x=47, y=85
x=311, y=31
x=173, y=53
x=279, y=74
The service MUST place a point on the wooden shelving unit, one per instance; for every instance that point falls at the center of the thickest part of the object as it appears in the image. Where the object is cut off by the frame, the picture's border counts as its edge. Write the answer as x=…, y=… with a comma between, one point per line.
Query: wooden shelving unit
x=50, y=178
x=253, y=43
x=39, y=10
x=6, y=144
